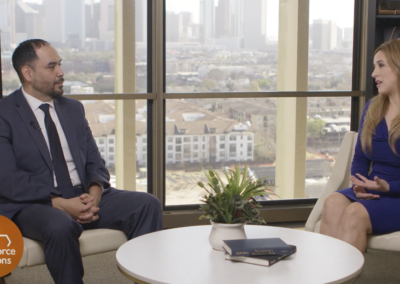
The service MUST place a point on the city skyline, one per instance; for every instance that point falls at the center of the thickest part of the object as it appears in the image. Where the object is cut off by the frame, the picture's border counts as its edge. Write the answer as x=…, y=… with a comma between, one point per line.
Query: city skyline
x=341, y=11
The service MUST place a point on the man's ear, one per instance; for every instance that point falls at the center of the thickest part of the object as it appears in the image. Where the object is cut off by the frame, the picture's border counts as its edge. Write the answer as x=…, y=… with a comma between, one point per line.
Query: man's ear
x=27, y=73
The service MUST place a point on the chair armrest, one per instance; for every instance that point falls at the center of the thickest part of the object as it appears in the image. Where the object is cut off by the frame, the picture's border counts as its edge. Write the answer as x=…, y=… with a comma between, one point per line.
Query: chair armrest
x=338, y=179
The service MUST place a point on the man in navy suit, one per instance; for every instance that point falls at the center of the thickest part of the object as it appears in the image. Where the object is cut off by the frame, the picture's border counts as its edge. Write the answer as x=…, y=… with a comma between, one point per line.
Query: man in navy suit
x=53, y=182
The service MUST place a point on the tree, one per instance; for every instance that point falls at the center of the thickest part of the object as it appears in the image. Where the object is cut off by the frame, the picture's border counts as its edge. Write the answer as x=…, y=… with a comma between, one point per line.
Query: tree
x=208, y=84
x=231, y=86
x=254, y=87
x=264, y=83
x=216, y=75
x=315, y=127
x=213, y=107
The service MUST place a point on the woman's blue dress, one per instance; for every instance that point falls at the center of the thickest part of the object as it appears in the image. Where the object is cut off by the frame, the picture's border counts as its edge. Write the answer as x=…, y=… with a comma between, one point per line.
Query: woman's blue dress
x=385, y=211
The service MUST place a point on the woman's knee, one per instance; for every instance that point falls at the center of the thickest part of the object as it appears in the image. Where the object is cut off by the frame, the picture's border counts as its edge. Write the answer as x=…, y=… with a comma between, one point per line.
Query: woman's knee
x=356, y=217
x=334, y=203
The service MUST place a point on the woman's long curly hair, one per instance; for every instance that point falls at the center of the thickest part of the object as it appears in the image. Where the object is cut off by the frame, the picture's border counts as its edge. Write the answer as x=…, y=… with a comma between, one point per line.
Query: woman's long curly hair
x=380, y=104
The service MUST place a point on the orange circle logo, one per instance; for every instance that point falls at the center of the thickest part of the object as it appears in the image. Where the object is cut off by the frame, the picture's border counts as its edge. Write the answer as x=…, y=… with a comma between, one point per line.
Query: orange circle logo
x=11, y=246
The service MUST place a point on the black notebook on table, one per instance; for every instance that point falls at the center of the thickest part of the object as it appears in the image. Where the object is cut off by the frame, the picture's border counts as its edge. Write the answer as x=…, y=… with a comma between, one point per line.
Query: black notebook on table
x=264, y=260
x=252, y=247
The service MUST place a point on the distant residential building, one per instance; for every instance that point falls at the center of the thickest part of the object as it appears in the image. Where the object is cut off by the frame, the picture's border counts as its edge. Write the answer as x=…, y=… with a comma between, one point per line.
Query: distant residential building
x=208, y=141
x=259, y=115
x=192, y=134
x=6, y=63
x=81, y=90
x=101, y=119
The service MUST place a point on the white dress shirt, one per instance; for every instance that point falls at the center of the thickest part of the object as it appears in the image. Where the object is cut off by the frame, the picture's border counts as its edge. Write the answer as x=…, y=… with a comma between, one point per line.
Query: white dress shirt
x=34, y=103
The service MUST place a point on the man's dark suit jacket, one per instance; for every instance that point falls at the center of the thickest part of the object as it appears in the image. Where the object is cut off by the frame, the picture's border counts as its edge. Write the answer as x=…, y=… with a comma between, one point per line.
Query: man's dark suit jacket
x=26, y=171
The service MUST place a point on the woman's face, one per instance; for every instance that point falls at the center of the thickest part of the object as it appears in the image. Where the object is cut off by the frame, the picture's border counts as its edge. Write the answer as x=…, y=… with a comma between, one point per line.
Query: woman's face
x=385, y=78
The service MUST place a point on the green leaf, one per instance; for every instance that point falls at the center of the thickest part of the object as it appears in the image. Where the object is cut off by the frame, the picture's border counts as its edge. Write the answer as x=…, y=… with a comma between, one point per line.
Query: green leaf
x=215, y=181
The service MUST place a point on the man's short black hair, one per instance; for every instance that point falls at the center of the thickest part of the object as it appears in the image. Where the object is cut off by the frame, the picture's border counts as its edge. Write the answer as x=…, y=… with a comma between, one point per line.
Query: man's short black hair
x=25, y=54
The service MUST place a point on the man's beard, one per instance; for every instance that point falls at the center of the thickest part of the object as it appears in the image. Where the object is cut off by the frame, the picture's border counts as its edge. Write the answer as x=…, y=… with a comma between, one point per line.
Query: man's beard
x=45, y=89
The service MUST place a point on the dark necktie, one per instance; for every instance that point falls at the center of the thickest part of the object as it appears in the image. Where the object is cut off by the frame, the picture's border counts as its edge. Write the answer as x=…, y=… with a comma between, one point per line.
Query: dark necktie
x=60, y=166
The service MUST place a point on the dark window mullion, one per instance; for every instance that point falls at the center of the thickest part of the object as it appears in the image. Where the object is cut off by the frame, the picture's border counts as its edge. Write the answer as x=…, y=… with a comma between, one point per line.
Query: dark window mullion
x=150, y=103
x=356, y=77
x=1, y=73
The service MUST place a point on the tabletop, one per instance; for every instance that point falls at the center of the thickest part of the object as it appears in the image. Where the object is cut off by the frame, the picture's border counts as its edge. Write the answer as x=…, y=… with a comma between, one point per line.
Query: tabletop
x=184, y=255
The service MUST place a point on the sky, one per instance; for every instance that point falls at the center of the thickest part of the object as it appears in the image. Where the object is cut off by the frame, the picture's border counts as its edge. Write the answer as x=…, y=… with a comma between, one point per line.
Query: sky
x=340, y=11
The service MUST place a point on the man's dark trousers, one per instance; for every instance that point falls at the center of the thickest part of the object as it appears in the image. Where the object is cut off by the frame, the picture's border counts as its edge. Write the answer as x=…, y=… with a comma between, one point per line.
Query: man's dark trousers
x=136, y=213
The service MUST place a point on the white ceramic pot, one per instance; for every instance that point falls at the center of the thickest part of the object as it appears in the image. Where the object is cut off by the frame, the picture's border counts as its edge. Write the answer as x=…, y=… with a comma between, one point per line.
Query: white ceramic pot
x=220, y=232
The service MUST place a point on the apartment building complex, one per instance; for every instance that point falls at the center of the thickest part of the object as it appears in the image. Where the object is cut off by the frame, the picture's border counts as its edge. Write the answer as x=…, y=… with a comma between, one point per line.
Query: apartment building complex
x=193, y=134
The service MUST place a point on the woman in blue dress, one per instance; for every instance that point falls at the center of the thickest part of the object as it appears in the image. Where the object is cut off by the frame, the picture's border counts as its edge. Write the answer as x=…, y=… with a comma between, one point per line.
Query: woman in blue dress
x=372, y=204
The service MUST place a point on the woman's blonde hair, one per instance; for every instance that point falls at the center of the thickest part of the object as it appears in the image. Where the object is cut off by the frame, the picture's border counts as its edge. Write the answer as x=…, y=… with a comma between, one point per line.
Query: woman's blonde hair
x=380, y=104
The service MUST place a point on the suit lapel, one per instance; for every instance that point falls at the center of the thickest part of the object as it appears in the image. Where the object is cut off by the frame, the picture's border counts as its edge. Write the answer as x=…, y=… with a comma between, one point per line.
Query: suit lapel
x=70, y=135
x=27, y=115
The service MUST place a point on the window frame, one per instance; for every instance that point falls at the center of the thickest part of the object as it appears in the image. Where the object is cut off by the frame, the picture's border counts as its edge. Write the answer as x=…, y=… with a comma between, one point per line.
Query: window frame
x=157, y=97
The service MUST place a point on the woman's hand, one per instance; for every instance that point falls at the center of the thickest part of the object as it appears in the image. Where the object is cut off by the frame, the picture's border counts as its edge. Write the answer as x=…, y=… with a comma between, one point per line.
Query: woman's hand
x=376, y=184
x=361, y=193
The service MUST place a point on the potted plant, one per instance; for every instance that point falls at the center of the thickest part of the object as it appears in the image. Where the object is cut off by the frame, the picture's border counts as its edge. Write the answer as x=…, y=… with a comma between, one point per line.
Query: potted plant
x=231, y=205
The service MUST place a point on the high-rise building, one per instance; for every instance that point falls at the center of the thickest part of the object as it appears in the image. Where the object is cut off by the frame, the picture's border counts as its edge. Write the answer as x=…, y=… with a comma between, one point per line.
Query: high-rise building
x=75, y=24
x=29, y=21
x=7, y=23
x=237, y=17
x=187, y=19
x=207, y=20
x=173, y=26
x=141, y=21
x=339, y=36
x=223, y=19
x=187, y=32
x=255, y=24
x=92, y=19
x=179, y=27
x=65, y=22
x=348, y=34
x=348, y=38
x=106, y=23
x=54, y=21
x=324, y=35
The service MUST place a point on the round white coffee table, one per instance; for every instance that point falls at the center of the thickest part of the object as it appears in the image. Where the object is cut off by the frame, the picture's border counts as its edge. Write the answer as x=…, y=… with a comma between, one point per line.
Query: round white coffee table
x=184, y=255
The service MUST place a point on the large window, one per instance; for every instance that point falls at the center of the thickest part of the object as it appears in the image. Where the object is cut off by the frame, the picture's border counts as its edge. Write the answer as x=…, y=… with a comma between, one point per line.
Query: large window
x=236, y=46
x=85, y=34
x=262, y=82
x=329, y=69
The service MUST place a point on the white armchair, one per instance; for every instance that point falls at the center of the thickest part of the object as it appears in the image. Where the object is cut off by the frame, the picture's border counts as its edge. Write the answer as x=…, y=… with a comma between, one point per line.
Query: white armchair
x=91, y=242
x=339, y=179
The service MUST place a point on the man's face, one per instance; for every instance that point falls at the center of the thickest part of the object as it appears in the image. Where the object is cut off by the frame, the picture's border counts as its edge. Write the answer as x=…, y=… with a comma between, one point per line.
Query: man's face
x=48, y=78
